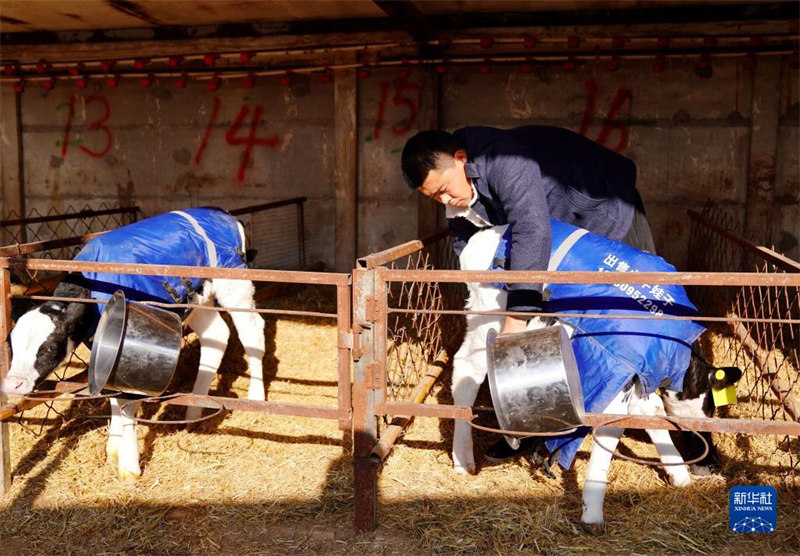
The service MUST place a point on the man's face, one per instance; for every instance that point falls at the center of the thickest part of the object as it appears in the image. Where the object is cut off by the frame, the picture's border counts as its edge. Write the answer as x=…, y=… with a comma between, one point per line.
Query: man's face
x=448, y=183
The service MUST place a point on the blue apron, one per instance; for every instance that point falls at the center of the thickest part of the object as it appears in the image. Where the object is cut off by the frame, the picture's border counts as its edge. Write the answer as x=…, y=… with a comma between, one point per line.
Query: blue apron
x=610, y=352
x=203, y=237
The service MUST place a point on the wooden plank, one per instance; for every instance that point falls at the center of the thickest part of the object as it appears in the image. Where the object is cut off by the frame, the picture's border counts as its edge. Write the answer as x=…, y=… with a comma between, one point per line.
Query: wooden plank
x=128, y=50
x=760, y=194
x=5, y=362
x=427, y=210
x=345, y=174
x=11, y=170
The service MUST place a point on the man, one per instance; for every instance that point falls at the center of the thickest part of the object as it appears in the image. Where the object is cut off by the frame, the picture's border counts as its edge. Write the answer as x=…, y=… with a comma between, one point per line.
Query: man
x=523, y=177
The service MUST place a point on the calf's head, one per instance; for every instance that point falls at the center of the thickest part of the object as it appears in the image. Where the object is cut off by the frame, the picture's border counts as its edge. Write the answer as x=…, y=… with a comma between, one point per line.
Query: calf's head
x=40, y=341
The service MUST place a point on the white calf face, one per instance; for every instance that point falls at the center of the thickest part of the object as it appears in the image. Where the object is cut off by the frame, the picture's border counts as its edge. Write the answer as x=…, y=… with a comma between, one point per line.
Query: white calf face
x=38, y=346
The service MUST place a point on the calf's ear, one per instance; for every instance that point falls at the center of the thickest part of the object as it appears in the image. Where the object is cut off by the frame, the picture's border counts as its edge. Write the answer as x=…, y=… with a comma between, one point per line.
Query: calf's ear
x=74, y=315
x=732, y=376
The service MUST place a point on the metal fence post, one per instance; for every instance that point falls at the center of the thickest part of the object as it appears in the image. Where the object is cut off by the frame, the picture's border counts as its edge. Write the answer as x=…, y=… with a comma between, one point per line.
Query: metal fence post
x=365, y=424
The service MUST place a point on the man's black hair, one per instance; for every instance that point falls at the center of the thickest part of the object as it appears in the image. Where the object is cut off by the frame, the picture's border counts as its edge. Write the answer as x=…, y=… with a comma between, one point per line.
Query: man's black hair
x=423, y=151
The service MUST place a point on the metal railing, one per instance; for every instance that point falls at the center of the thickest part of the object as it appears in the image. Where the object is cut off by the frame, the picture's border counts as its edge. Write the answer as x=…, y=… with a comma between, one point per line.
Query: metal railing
x=276, y=231
x=763, y=331
x=341, y=282
x=55, y=225
x=388, y=320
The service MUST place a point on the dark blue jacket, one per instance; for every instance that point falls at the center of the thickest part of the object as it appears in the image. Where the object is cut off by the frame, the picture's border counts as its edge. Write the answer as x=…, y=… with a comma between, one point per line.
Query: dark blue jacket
x=526, y=175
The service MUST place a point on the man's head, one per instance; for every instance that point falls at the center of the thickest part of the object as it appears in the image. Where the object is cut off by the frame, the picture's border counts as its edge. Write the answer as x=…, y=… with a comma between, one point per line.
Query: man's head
x=433, y=164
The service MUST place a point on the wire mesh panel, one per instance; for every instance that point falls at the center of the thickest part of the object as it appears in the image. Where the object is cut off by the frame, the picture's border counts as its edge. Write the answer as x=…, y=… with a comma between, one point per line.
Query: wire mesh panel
x=418, y=340
x=763, y=335
x=275, y=231
x=57, y=224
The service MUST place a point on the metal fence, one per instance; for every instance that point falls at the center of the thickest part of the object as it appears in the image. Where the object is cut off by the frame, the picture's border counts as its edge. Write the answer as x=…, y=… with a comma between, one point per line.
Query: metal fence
x=276, y=231
x=763, y=329
x=58, y=225
x=407, y=319
x=341, y=411
x=398, y=305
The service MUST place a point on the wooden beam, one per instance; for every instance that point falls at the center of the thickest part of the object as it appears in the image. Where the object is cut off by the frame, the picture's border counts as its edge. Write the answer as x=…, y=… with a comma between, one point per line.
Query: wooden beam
x=427, y=210
x=12, y=170
x=760, y=193
x=409, y=18
x=345, y=102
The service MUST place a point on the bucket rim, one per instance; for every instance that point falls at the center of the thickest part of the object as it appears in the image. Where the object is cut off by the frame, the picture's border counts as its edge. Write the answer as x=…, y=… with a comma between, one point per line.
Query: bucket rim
x=117, y=298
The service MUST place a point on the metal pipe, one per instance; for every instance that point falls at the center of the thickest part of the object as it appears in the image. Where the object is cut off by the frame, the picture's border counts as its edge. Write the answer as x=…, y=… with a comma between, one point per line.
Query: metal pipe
x=585, y=277
x=343, y=358
x=400, y=423
x=17, y=249
x=267, y=206
x=68, y=216
x=745, y=426
x=256, y=275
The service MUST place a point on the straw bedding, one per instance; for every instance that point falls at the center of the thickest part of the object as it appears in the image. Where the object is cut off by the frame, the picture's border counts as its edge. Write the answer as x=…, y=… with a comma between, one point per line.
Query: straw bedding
x=250, y=483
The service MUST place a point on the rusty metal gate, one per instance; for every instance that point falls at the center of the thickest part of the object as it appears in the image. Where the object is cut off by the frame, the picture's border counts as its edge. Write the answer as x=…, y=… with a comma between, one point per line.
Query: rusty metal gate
x=407, y=319
x=397, y=310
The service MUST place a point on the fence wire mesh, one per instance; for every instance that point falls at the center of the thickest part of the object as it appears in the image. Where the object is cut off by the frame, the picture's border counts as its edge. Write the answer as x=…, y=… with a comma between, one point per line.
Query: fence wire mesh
x=767, y=350
x=276, y=232
x=59, y=224
x=417, y=341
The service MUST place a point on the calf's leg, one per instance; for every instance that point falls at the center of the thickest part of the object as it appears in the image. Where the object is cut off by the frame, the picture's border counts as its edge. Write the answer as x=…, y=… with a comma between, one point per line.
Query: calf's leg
x=250, y=327
x=594, y=486
x=213, y=333
x=123, y=444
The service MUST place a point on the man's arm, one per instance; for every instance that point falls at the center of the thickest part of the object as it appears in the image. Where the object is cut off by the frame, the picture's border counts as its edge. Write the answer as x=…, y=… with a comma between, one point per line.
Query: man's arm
x=516, y=182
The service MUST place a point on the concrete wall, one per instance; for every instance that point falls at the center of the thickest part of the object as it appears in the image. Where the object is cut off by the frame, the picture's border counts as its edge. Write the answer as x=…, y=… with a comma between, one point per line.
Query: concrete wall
x=695, y=138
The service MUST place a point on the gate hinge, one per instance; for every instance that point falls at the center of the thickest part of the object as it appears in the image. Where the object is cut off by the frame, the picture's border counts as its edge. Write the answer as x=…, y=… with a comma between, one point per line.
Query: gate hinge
x=374, y=375
x=352, y=341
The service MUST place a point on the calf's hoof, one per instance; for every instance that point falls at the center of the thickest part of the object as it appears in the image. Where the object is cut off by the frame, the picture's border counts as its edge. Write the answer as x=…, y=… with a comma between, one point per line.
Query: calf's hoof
x=256, y=394
x=129, y=477
x=467, y=469
x=702, y=470
x=111, y=457
x=594, y=529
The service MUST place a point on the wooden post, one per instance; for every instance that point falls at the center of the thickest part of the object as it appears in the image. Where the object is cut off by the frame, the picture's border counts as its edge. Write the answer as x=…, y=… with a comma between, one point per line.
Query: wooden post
x=5, y=319
x=345, y=172
x=12, y=169
x=427, y=209
x=763, y=150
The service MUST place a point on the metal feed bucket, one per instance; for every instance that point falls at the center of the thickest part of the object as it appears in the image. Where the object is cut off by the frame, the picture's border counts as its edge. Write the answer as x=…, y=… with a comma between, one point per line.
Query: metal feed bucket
x=135, y=348
x=533, y=378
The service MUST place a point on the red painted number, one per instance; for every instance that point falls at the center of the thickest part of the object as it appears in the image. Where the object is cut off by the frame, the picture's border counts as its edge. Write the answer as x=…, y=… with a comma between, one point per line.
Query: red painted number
x=401, y=87
x=240, y=133
x=250, y=139
x=95, y=125
x=610, y=123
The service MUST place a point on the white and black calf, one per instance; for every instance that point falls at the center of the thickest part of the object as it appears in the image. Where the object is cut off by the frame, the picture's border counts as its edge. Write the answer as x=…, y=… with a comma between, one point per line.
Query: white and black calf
x=469, y=371
x=44, y=337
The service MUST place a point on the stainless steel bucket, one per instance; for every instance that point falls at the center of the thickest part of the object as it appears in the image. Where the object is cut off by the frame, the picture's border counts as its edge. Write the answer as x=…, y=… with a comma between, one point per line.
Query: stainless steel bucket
x=534, y=381
x=135, y=348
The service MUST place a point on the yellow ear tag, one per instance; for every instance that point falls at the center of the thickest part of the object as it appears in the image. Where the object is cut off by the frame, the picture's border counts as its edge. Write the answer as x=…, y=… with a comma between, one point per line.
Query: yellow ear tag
x=723, y=396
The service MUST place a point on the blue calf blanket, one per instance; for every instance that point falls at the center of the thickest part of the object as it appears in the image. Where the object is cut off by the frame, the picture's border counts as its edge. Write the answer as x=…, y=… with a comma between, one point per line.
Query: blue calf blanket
x=609, y=352
x=191, y=237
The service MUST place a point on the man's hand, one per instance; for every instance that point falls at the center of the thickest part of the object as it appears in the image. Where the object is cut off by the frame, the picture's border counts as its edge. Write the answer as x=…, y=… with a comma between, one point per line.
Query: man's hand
x=513, y=325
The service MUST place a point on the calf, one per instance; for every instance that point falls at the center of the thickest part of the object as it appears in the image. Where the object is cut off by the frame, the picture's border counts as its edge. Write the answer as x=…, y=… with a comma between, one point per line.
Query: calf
x=469, y=371
x=43, y=337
